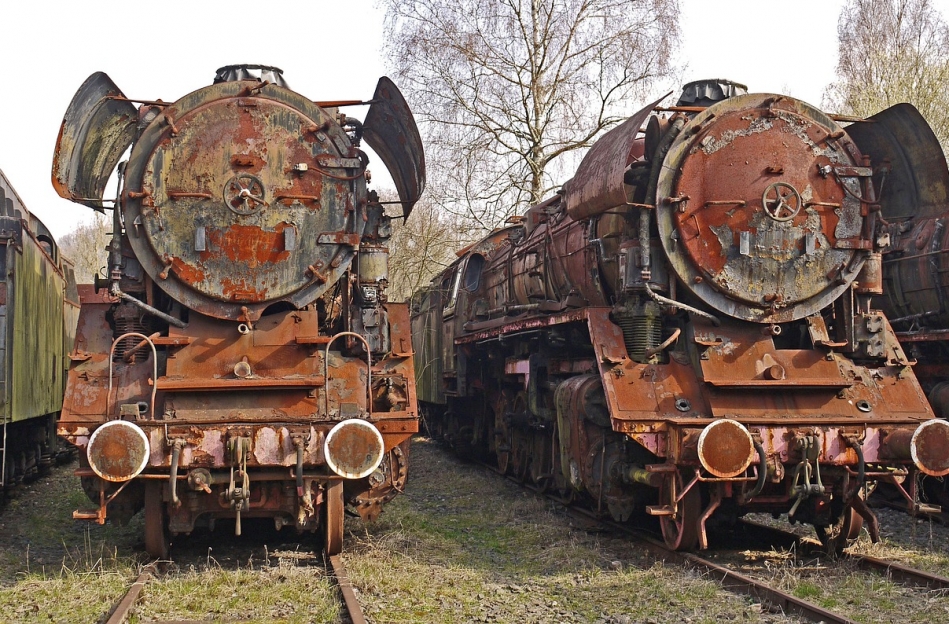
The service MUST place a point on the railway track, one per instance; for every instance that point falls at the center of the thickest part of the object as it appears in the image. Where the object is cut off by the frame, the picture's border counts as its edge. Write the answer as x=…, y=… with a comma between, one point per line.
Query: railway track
x=739, y=582
x=891, y=569
x=335, y=568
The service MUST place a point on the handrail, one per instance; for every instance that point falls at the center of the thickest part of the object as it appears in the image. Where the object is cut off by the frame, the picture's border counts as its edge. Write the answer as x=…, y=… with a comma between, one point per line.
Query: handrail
x=108, y=396
x=326, y=372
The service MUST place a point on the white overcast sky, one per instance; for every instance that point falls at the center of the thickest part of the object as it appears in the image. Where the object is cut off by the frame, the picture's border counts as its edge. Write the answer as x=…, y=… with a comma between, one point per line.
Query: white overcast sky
x=328, y=50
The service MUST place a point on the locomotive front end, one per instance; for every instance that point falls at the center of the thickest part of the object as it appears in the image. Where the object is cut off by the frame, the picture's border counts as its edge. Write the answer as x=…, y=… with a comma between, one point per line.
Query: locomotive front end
x=238, y=345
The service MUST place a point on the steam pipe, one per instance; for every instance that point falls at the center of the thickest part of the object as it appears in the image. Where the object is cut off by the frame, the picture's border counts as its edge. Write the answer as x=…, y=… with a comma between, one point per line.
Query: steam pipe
x=117, y=292
x=175, y=456
x=677, y=304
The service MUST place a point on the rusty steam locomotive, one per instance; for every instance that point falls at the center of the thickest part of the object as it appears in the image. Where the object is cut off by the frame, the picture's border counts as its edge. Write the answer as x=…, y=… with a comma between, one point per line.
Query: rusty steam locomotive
x=687, y=328
x=240, y=358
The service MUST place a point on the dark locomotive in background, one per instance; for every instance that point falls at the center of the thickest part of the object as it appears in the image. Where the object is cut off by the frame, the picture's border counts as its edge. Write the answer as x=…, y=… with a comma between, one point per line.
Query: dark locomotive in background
x=240, y=358
x=39, y=306
x=692, y=325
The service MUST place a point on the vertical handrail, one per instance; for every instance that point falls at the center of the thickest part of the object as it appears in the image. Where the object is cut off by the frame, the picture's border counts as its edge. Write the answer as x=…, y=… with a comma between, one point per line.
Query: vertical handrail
x=108, y=396
x=326, y=372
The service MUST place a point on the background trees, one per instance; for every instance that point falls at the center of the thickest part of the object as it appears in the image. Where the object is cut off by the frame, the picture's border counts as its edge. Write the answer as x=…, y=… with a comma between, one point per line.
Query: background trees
x=504, y=89
x=421, y=247
x=893, y=51
x=86, y=246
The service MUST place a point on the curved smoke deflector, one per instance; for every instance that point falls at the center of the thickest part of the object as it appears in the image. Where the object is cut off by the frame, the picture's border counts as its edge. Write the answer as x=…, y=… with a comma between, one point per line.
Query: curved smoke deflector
x=390, y=130
x=98, y=127
x=917, y=184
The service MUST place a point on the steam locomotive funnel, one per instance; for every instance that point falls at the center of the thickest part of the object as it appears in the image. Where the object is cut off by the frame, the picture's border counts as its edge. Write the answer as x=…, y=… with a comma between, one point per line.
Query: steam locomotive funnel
x=390, y=130
x=98, y=127
x=917, y=184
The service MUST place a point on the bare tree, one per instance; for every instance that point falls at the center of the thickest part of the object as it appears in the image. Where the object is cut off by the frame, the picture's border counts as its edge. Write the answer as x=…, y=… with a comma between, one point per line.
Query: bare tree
x=420, y=248
x=893, y=51
x=86, y=246
x=505, y=88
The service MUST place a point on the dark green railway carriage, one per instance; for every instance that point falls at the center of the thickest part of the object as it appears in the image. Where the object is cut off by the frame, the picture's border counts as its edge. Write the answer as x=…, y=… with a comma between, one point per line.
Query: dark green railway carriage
x=427, y=342
x=38, y=312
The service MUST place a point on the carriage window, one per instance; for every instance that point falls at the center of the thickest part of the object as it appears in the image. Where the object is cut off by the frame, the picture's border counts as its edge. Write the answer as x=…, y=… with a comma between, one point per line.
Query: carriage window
x=473, y=267
x=455, y=284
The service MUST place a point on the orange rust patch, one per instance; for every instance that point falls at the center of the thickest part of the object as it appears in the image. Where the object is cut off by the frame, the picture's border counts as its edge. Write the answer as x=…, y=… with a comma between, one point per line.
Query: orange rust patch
x=249, y=244
x=186, y=272
x=240, y=290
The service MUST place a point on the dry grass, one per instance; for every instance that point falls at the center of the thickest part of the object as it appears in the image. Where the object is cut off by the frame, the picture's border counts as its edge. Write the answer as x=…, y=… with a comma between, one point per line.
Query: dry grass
x=461, y=545
x=465, y=546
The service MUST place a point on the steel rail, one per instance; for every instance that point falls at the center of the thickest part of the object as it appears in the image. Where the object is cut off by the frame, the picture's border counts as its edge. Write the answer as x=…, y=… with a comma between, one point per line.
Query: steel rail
x=131, y=596
x=729, y=579
x=346, y=589
x=896, y=571
x=735, y=581
x=900, y=572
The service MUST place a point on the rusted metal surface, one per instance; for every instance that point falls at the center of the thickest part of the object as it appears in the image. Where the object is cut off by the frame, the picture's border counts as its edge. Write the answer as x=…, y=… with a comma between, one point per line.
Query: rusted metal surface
x=390, y=130
x=930, y=448
x=118, y=451
x=725, y=448
x=211, y=378
x=912, y=167
x=98, y=127
x=353, y=449
x=571, y=356
x=598, y=184
x=227, y=241
x=346, y=589
x=131, y=596
x=773, y=242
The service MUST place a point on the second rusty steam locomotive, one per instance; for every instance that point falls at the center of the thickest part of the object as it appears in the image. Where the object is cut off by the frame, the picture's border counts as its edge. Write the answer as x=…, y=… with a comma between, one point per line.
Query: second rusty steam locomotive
x=240, y=358
x=687, y=328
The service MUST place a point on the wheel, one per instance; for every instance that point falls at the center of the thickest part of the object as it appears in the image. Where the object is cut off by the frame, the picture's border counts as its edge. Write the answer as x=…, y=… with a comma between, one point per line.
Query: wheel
x=157, y=541
x=842, y=533
x=681, y=531
x=333, y=517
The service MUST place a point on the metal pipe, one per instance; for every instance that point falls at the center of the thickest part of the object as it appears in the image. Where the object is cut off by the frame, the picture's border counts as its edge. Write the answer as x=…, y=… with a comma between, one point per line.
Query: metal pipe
x=175, y=456
x=861, y=466
x=117, y=292
x=665, y=344
x=762, y=471
x=131, y=352
x=298, y=442
x=678, y=304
